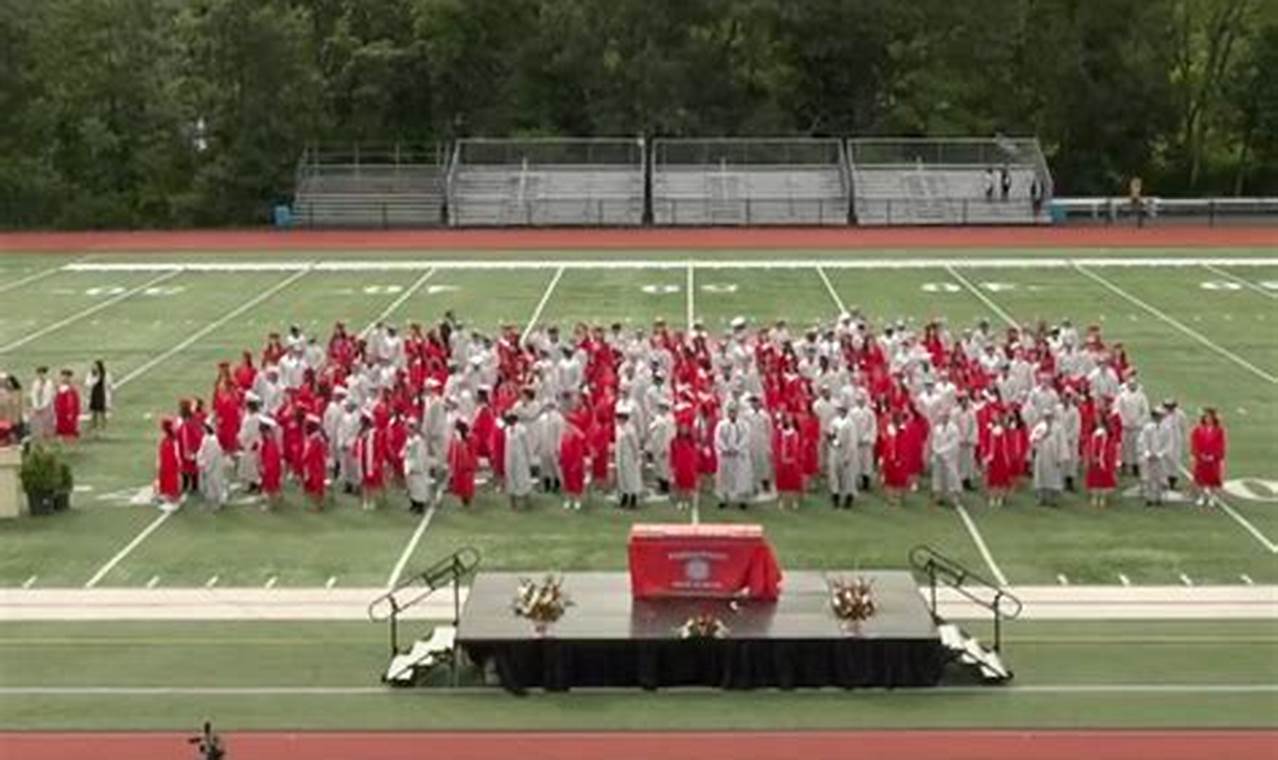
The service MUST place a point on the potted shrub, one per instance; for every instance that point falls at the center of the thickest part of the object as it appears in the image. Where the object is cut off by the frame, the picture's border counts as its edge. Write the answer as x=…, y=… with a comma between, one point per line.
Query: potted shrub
x=46, y=479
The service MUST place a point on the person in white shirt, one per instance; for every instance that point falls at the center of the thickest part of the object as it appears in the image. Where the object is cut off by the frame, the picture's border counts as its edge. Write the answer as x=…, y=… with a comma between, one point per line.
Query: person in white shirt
x=40, y=418
x=1133, y=411
x=944, y=444
x=1152, y=446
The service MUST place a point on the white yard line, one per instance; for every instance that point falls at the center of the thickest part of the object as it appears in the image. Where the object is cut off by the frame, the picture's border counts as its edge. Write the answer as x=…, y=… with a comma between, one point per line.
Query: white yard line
x=94, y=309
x=1203, y=339
x=398, y=570
x=31, y=278
x=29, y=582
x=155, y=581
x=129, y=547
x=981, y=547
x=1245, y=283
x=691, y=286
x=383, y=691
x=1246, y=579
x=541, y=305
x=1003, y=315
x=398, y=302
x=210, y=327
x=1185, y=579
x=401, y=265
x=1233, y=513
x=1061, y=579
x=834, y=294
x=270, y=582
x=211, y=582
x=331, y=582
x=1123, y=579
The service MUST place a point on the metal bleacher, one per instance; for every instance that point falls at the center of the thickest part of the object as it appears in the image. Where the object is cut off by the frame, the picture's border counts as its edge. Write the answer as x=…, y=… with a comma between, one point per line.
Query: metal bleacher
x=550, y=182
x=369, y=186
x=943, y=181
x=727, y=181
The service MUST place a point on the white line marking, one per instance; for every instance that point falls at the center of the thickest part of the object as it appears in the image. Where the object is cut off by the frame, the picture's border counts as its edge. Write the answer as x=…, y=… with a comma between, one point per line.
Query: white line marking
x=1245, y=283
x=129, y=547
x=30, y=279
x=211, y=582
x=331, y=582
x=1061, y=579
x=966, y=283
x=270, y=582
x=1244, y=522
x=383, y=691
x=1123, y=579
x=398, y=570
x=407, y=294
x=980, y=545
x=690, y=286
x=1235, y=358
x=94, y=309
x=1185, y=579
x=155, y=581
x=29, y=582
x=210, y=327
x=829, y=287
x=402, y=265
x=541, y=305
x=1245, y=578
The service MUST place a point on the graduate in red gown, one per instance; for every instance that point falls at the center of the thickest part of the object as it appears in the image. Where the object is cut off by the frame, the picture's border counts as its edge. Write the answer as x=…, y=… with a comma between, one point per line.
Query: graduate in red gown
x=369, y=448
x=293, y=439
x=1101, y=460
x=315, y=463
x=66, y=408
x=684, y=466
x=600, y=450
x=271, y=465
x=914, y=431
x=168, y=464
x=1207, y=446
x=497, y=452
x=810, y=440
x=893, y=458
x=462, y=464
x=485, y=422
x=190, y=434
x=573, y=446
x=1000, y=464
x=787, y=453
x=245, y=373
x=227, y=409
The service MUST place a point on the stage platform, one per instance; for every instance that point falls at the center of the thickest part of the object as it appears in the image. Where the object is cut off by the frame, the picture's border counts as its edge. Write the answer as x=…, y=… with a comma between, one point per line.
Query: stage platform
x=609, y=639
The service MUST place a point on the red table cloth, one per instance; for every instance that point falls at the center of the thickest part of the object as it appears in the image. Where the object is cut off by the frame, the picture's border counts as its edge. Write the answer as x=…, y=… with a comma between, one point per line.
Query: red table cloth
x=702, y=561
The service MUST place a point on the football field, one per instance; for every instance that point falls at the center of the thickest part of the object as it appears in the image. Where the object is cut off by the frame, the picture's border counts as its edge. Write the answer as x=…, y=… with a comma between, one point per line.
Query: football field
x=1200, y=324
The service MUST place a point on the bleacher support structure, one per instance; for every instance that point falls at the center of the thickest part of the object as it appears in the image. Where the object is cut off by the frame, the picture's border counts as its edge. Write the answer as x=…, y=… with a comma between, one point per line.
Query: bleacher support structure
x=547, y=182
x=948, y=181
x=749, y=181
x=598, y=182
x=397, y=185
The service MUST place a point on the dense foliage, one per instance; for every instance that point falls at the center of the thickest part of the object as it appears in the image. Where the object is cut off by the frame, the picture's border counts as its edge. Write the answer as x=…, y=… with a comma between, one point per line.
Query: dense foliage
x=179, y=112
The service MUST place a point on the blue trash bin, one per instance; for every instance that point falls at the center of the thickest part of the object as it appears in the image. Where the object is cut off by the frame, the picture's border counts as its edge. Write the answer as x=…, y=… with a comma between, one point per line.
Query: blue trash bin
x=283, y=216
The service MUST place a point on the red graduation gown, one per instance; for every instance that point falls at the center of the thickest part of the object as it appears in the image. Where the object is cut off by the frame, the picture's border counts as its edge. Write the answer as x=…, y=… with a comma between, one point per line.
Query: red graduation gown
x=168, y=468
x=66, y=412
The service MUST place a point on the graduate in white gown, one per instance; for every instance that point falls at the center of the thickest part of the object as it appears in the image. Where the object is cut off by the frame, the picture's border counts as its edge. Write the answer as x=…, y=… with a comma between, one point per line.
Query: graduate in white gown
x=212, y=463
x=734, y=480
x=518, y=462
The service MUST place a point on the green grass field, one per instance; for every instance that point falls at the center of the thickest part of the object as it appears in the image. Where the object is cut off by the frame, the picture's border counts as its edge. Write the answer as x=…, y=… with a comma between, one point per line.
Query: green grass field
x=1214, y=343
x=145, y=336
x=321, y=676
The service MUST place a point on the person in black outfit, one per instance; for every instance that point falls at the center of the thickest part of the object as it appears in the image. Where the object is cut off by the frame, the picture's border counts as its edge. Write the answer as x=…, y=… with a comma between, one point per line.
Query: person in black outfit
x=99, y=386
x=1005, y=181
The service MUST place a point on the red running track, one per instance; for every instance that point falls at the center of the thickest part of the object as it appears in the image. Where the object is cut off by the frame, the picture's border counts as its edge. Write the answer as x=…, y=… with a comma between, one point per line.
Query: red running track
x=814, y=745
x=826, y=238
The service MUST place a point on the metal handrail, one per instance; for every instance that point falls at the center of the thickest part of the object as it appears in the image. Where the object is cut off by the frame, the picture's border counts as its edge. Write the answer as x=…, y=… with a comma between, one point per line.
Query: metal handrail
x=447, y=571
x=955, y=575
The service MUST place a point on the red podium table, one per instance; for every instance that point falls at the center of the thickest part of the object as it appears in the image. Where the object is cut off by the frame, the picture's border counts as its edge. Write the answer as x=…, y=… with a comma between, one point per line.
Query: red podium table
x=702, y=561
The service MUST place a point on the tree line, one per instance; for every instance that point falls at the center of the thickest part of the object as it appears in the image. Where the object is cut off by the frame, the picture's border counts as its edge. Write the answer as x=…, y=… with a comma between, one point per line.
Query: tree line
x=157, y=113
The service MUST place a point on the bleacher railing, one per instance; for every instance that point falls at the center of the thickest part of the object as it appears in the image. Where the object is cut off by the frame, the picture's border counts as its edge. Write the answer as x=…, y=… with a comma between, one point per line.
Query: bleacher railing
x=750, y=151
x=940, y=152
x=749, y=211
x=550, y=150
x=933, y=210
x=1166, y=211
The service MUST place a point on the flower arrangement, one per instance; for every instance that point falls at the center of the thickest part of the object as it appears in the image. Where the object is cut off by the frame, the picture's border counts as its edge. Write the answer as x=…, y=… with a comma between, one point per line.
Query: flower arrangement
x=542, y=602
x=852, y=599
x=703, y=626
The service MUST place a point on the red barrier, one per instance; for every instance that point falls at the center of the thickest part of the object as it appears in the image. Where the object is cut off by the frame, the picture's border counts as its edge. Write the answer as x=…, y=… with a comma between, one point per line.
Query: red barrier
x=739, y=745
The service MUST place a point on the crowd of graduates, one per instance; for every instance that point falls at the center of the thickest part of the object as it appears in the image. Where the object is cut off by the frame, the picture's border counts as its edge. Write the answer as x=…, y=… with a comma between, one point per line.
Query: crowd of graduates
x=753, y=414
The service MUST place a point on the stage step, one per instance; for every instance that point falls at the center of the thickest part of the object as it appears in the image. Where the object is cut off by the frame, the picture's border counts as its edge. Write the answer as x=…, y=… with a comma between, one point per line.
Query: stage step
x=967, y=650
x=425, y=654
